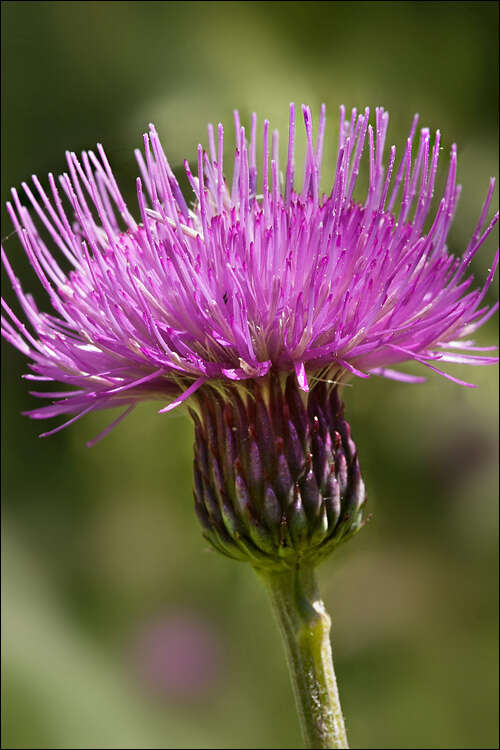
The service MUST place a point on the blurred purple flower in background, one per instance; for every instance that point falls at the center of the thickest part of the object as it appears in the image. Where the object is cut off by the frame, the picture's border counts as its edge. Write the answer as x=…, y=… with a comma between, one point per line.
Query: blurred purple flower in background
x=255, y=276
x=177, y=655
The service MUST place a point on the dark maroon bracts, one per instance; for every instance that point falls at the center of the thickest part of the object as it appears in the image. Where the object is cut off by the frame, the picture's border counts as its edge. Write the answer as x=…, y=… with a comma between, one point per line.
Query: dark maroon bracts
x=276, y=473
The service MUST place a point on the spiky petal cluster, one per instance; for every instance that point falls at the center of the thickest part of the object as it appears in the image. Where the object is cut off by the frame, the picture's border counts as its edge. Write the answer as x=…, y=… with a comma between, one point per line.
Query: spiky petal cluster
x=258, y=275
x=276, y=476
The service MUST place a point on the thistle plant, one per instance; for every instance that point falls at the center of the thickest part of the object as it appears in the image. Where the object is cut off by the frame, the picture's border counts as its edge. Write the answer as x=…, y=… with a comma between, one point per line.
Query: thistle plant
x=254, y=304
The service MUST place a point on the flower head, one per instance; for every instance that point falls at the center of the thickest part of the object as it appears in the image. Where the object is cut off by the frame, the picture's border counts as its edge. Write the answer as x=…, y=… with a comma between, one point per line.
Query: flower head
x=257, y=275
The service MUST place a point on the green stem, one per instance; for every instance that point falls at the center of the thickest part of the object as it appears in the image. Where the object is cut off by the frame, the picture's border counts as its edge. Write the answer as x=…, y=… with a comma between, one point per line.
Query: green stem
x=305, y=627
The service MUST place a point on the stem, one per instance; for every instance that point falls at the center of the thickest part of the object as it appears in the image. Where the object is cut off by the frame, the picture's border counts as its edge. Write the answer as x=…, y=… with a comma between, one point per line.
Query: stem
x=305, y=627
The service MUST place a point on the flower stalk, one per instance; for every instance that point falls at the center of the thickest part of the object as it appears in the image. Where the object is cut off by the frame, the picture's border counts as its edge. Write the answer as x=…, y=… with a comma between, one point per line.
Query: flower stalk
x=305, y=628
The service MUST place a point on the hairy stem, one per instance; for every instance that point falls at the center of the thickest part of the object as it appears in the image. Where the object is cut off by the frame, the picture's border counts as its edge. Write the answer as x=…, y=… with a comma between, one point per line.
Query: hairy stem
x=305, y=627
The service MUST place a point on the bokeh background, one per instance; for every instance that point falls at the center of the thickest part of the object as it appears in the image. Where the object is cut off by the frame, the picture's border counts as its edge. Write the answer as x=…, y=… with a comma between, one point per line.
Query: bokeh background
x=120, y=629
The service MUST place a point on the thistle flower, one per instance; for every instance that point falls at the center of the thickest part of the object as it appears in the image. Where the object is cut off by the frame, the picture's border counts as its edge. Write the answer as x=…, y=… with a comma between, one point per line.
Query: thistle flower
x=256, y=276
x=256, y=303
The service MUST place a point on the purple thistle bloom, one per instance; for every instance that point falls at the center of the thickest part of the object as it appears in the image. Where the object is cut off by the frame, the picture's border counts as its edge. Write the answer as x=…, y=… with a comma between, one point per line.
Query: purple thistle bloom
x=258, y=275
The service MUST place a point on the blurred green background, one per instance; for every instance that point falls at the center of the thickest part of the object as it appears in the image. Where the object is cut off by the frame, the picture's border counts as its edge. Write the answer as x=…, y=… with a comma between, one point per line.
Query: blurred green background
x=120, y=629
